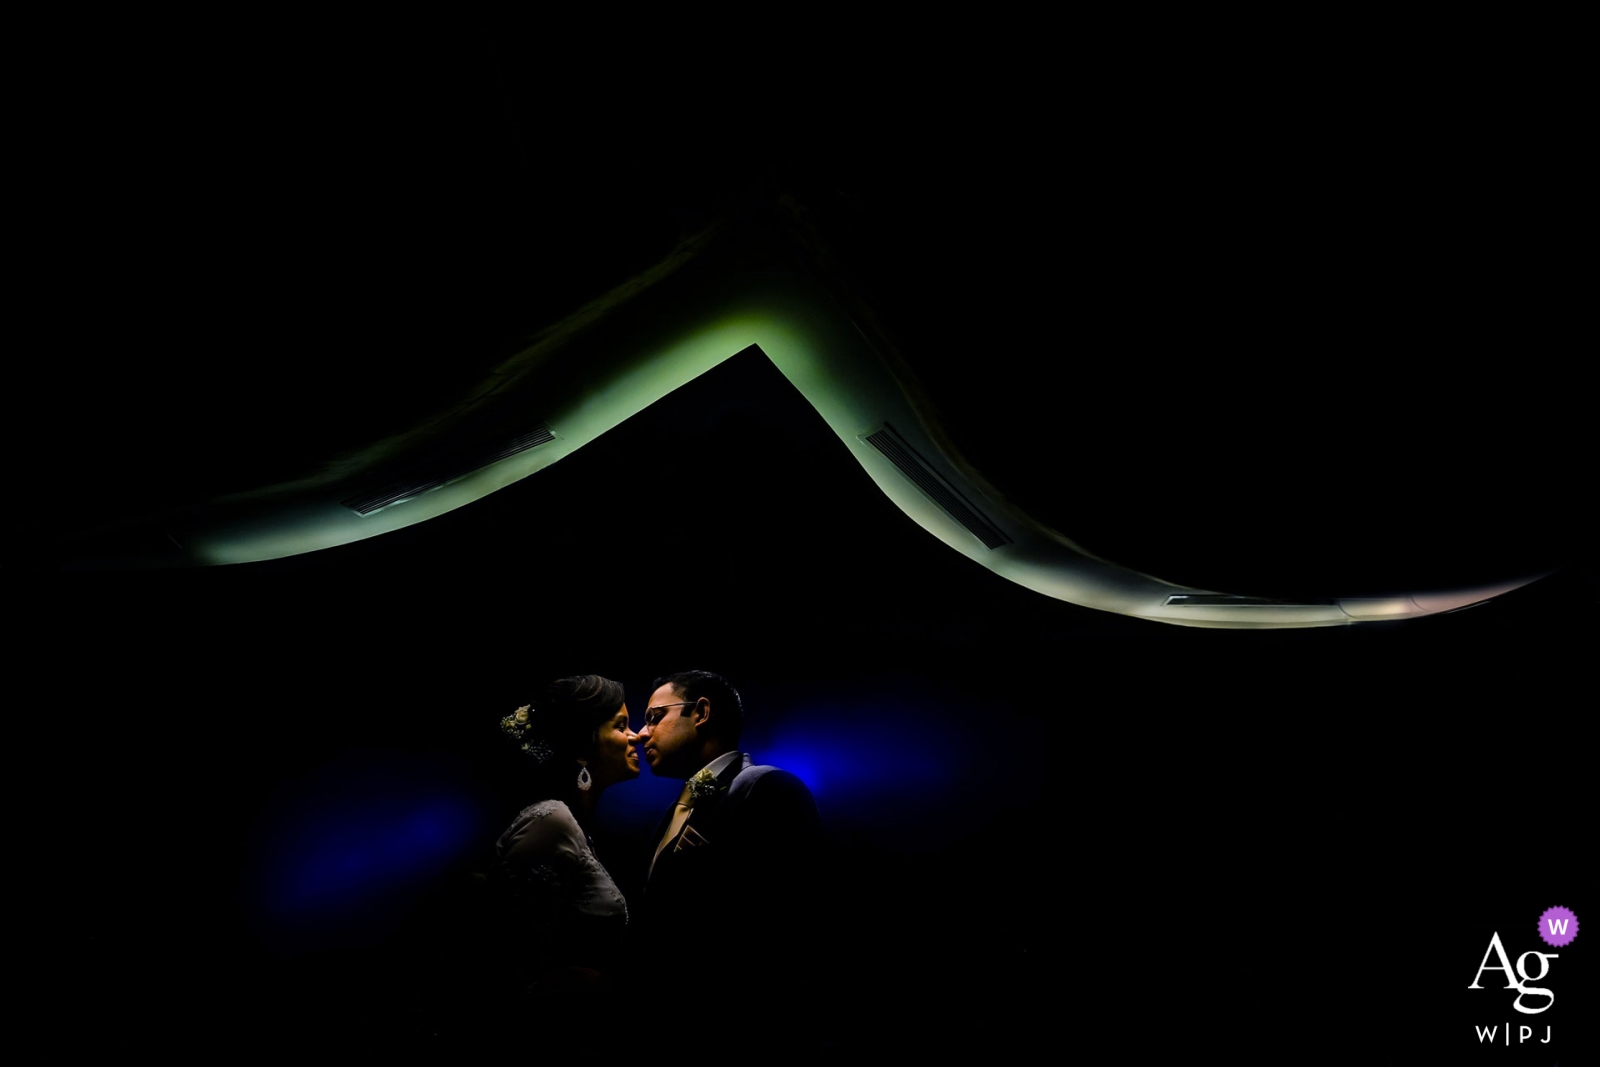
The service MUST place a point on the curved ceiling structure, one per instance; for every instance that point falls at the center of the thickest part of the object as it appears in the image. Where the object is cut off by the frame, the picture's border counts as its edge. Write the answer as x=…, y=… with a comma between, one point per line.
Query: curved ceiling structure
x=710, y=302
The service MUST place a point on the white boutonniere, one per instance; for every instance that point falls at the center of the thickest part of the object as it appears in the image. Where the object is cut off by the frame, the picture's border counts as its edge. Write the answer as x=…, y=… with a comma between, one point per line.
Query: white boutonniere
x=703, y=786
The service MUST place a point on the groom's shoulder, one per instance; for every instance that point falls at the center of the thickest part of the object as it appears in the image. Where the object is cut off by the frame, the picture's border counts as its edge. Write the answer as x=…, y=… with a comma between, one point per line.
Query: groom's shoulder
x=764, y=786
x=770, y=778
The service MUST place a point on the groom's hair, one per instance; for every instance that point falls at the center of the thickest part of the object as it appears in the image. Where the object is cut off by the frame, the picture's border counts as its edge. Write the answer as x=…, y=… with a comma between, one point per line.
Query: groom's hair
x=729, y=717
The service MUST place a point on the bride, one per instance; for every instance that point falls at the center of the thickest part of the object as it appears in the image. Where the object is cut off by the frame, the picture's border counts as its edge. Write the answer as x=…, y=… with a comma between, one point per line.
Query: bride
x=559, y=914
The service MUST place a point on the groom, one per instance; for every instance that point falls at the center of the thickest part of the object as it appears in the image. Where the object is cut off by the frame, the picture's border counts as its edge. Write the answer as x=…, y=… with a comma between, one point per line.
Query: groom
x=731, y=868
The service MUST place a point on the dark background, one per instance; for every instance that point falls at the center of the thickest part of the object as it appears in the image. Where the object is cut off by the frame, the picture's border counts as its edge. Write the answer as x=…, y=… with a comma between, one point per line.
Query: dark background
x=257, y=789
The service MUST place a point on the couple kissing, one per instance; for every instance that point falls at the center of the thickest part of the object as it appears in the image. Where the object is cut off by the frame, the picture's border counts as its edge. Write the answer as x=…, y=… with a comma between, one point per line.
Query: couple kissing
x=723, y=881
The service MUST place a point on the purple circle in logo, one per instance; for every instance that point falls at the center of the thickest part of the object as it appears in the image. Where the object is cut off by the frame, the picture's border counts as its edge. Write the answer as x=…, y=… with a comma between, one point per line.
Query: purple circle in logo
x=1558, y=926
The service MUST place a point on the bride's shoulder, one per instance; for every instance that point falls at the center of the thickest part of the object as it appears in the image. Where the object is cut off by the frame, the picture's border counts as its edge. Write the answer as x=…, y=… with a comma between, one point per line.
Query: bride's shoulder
x=546, y=809
x=547, y=822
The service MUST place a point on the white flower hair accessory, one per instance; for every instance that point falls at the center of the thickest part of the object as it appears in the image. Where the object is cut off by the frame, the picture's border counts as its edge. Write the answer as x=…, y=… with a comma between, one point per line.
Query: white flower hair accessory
x=703, y=786
x=518, y=725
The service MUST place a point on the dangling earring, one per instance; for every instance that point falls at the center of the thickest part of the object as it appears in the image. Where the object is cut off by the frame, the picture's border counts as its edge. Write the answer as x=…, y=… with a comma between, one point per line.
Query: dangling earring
x=584, y=781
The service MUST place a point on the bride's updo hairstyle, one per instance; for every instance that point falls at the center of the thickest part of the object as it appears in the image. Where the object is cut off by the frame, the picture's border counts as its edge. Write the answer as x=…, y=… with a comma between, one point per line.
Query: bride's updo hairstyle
x=560, y=729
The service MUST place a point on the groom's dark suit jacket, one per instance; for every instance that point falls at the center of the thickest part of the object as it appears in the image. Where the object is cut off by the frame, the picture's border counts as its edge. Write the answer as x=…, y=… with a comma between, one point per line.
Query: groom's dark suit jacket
x=745, y=865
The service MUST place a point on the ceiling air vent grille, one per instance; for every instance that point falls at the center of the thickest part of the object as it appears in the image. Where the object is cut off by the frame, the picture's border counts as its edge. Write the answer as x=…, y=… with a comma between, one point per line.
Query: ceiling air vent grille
x=444, y=471
x=913, y=466
x=1224, y=600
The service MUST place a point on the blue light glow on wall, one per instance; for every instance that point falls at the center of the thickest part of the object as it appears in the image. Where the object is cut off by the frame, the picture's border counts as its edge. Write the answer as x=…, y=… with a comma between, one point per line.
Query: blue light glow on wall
x=347, y=856
x=910, y=765
x=348, y=848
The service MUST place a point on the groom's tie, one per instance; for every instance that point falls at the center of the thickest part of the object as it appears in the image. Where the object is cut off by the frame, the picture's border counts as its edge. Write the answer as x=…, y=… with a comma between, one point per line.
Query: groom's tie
x=680, y=815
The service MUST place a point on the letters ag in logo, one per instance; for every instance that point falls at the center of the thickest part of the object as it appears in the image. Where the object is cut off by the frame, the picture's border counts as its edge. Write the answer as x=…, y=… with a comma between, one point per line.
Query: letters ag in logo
x=1557, y=927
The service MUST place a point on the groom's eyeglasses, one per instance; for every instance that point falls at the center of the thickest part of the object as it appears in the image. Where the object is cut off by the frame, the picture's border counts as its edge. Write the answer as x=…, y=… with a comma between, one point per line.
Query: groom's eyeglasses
x=653, y=716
